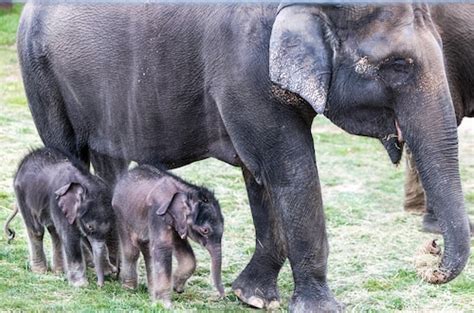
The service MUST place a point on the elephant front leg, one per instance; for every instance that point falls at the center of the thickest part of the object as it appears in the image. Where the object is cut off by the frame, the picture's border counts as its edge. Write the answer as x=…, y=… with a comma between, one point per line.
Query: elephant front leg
x=295, y=190
x=257, y=284
x=75, y=264
x=186, y=262
x=161, y=257
x=415, y=201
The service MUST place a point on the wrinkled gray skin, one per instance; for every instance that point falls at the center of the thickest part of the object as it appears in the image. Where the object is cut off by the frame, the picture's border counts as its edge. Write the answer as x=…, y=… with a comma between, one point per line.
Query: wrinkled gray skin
x=241, y=83
x=156, y=213
x=56, y=193
x=457, y=24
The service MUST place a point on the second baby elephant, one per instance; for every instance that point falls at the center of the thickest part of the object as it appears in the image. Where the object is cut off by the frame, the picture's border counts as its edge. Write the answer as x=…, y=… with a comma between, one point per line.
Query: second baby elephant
x=56, y=192
x=156, y=212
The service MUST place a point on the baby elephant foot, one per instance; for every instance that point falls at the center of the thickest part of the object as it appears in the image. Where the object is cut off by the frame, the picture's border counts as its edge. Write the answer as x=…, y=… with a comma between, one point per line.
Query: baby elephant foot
x=110, y=269
x=39, y=267
x=58, y=269
x=165, y=303
x=79, y=283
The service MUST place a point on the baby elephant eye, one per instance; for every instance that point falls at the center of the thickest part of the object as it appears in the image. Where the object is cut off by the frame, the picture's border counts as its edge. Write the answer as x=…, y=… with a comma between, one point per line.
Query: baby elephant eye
x=90, y=227
x=204, y=230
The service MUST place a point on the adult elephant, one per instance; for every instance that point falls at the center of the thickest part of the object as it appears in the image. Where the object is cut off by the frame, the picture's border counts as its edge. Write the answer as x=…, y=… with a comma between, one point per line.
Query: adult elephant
x=242, y=83
x=457, y=25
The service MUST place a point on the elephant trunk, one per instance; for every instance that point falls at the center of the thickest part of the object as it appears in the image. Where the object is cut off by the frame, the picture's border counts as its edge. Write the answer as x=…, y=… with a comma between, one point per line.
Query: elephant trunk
x=101, y=259
x=434, y=144
x=215, y=251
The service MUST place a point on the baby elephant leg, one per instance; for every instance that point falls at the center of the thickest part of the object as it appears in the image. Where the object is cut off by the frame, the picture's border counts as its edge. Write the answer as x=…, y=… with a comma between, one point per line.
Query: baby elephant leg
x=37, y=256
x=57, y=251
x=129, y=254
x=75, y=264
x=145, y=249
x=186, y=263
x=161, y=257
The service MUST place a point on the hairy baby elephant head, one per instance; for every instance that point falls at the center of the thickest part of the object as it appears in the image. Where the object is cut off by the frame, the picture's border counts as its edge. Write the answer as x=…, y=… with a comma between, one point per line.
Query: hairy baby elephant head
x=87, y=204
x=379, y=71
x=193, y=212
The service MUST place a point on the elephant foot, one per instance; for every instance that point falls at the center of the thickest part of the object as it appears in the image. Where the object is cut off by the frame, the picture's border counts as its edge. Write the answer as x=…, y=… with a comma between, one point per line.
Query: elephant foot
x=58, y=269
x=79, y=283
x=256, y=289
x=320, y=305
x=430, y=224
x=39, y=268
x=110, y=270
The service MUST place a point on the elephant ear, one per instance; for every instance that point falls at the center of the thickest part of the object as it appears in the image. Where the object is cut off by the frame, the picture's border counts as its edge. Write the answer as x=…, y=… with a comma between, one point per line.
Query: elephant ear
x=166, y=198
x=300, y=54
x=70, y=197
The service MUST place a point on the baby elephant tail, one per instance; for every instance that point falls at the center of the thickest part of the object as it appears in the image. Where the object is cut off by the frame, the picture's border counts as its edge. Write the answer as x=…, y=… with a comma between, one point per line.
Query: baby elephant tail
x=10, y=232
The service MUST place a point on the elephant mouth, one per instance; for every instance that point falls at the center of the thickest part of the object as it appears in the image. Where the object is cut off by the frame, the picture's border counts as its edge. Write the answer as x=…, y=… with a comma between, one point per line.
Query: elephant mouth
x=393, y=143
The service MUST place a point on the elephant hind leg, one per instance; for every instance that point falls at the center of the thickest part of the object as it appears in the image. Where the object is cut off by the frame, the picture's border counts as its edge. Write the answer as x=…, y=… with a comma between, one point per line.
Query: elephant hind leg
x=415, y=201
x=57, y=253
x=35, y=233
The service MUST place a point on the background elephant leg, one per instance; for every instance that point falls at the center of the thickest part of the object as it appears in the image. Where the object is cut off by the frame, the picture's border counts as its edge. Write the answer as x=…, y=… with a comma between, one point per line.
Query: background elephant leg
x=415, y=201
x=257, y=284
x=186, y=262
x=430, y=222
x=37, y=256
x=107, y=167
x=57, y=251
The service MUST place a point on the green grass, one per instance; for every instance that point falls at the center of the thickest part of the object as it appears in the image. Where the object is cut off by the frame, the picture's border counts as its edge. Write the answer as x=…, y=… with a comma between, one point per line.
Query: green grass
x=9, y=24
x=372, y=240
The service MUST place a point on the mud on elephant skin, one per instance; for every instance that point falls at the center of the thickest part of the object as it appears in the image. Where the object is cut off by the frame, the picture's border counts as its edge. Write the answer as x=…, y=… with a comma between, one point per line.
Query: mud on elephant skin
x=242, y=83
x=156, y=213
x=54, y=191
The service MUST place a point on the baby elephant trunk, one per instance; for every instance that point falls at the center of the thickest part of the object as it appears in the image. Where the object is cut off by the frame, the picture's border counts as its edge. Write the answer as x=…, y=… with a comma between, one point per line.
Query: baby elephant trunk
x=216, y=266
x=101, y=260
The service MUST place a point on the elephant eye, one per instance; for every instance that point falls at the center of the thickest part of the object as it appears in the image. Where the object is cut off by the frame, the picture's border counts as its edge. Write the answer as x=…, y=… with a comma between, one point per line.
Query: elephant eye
x=397, y=71
x=90, y=227
x=399, y=64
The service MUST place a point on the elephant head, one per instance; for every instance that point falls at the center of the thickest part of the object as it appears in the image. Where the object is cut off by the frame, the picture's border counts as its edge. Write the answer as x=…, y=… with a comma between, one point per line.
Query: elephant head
x=194, y=212
x=87, y=204
x=379, y=71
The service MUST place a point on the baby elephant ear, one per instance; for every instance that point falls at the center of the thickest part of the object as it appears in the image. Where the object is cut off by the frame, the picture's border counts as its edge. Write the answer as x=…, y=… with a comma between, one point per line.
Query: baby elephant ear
x=70, y=197
x=179, y=210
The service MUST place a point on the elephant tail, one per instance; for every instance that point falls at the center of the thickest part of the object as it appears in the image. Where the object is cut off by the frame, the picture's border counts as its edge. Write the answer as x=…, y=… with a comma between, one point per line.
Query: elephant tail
x=8, y=231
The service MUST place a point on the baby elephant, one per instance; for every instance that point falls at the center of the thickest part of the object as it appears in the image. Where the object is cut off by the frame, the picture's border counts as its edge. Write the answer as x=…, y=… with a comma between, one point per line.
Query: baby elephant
x=58, y=193
x=156, y=212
